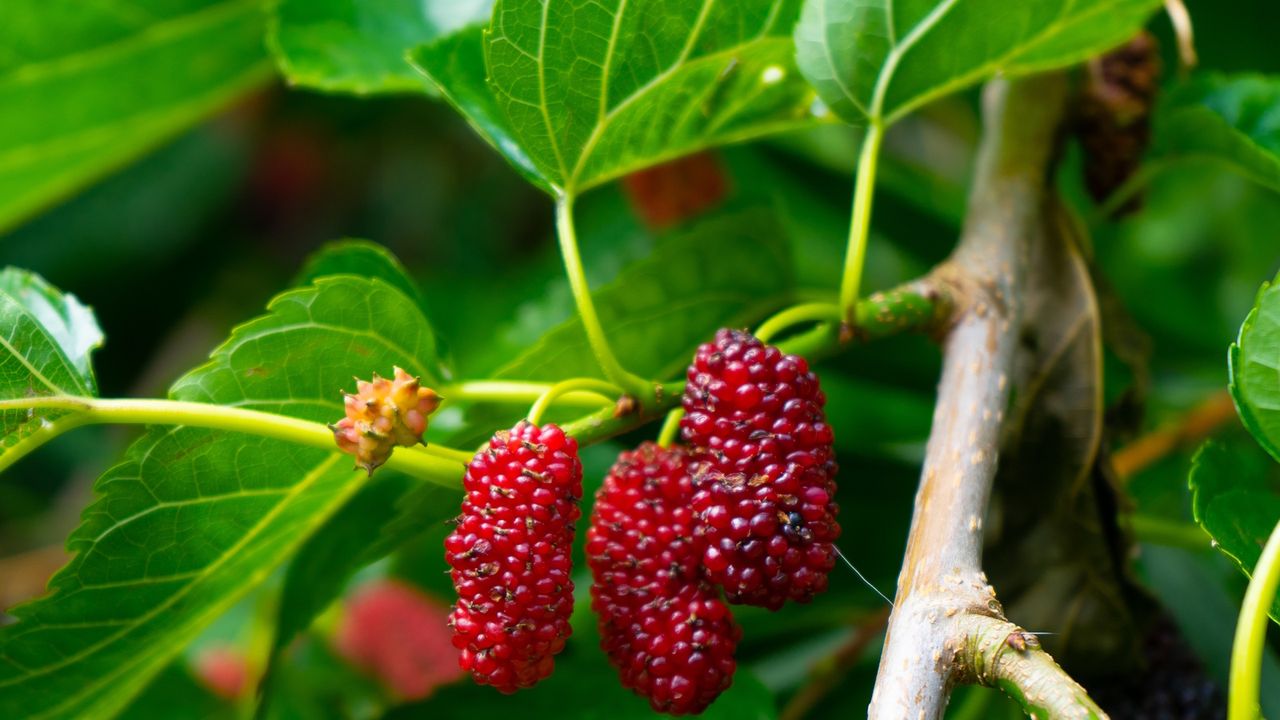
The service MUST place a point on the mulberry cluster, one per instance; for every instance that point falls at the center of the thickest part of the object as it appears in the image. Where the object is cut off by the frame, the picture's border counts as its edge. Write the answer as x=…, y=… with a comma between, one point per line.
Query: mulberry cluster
x=763, y=469
x=383, y=414
x=664, y=627
x=748, y=509
x=510, y=555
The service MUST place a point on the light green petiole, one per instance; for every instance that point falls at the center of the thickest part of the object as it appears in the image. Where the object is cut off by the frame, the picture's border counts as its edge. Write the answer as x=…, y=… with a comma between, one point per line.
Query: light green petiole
x=439, y=464
x=1251, y=634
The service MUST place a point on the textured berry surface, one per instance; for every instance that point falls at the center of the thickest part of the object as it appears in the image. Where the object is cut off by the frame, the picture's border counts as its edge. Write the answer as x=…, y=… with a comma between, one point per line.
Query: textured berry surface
x=510, y=555
x=664, y=627
x=764, y=471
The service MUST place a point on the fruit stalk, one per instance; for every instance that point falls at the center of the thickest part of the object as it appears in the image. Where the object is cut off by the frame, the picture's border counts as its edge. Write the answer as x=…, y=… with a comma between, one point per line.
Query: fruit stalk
x=613, y=370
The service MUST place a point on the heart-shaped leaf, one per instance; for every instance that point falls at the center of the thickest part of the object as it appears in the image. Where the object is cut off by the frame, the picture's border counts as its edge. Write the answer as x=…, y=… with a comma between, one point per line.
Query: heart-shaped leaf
x=593, y=90
x=455, y=65
x=360, y=47
x=1255, y=369
x=45, y=345
x=876, y=60
x=1226, y=119
x=194, y=518
x=89, y=87
x=1236, y=499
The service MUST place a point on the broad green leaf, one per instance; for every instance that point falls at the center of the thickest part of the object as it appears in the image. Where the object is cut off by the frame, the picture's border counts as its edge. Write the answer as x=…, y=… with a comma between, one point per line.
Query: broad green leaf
x=726, y=271
x=1255, y=369
x=360, y=258
x=595, y=89
x=359, y=46
x=386, y=513
x=194, y=518
x=1236, y=499
x=176, y=695
x=876, y=60
x=46, y=338
x=1229, y=119
x=455, y=64
x=86, y=87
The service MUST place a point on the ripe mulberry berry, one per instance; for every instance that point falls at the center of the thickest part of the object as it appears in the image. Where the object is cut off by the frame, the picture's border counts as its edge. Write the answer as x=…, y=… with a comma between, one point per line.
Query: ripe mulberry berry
x=381, y=415
x=663, y=626
x=764, y=471
x=510, y=555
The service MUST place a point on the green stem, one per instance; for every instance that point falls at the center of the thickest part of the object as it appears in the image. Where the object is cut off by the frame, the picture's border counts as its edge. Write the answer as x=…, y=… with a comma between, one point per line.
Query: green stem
x=442, y=465
x=632, y=384
x=519, y=392
x=1169, y=533
x=918, y=305
x=670, y=428
x=913, y=306
x=1251, y=634
x=796, y=314
x=860, y=224
x=567, y=386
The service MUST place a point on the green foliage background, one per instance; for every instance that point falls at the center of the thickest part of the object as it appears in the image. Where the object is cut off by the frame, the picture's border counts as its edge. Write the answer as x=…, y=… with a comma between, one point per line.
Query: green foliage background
x=202, y=226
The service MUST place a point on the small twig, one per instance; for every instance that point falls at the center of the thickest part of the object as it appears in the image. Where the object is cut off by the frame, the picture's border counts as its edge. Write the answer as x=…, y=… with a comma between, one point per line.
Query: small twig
x=829, y=671
x=1197, y=424
x=998, y=654
x=921, y=305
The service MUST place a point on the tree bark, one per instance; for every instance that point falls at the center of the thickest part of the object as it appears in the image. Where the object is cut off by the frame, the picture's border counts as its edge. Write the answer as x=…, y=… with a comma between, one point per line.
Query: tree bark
x=945, y=609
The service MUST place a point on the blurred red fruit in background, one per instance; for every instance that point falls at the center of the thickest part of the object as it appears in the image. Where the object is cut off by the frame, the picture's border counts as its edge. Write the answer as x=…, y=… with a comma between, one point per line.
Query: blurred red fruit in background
x=399, y=635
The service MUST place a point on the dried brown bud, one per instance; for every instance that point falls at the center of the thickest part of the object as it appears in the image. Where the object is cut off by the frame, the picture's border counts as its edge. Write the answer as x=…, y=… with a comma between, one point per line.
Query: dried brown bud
x=1113, y=118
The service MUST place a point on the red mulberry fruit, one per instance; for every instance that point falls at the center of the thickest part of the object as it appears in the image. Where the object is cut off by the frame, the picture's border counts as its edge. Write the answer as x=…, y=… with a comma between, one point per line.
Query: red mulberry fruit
x=764, y=471
x=510, y=555
x=663, y=626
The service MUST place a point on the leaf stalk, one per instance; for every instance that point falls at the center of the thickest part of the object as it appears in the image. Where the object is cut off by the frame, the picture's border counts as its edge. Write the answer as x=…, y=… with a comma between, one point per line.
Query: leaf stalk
x=860, y=222
x=1251, y=634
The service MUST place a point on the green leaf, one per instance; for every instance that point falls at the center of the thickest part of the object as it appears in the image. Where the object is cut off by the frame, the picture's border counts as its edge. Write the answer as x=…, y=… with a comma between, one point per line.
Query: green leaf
x=360, y=47
x=176, y=695
x=389, y=511
x=723, y=272
x=361, y=258
x=88, y=87
x=1228, y=119
x=455, y=64
x=45, y=345
x=596, y=89
x=193, y=519
x=1236, y=499
x=876, y=60
x=1255, y=369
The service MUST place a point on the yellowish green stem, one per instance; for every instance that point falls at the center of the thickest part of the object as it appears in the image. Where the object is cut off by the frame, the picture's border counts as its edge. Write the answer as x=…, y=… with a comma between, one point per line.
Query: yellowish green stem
x=442, y=465
x=1251, y=634
x=860, y=224
x=631, y=384
x=518, y=392
x=670, y=428
x=561, y=389
x=796, y=314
